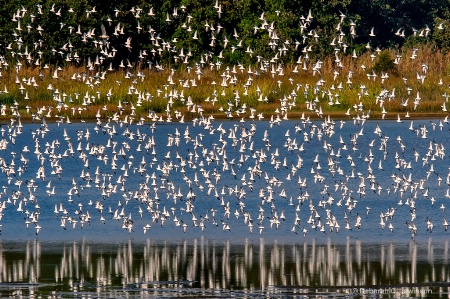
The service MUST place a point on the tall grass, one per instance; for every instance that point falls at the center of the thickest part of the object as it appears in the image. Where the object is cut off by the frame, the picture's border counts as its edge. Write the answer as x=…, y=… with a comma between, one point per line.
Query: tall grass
x=81, y=93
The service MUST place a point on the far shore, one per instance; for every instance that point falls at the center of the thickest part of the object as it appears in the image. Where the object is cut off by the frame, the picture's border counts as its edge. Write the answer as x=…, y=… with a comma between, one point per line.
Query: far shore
x=292, y=116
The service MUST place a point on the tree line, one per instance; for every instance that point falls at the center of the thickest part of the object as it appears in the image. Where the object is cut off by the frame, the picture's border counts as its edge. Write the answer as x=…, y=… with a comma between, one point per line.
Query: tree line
x=188, y=32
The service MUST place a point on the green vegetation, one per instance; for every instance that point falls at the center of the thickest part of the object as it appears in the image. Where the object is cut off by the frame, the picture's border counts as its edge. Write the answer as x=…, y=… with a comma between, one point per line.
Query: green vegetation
x=385, y=63
x=80, y=58
x=153, y=25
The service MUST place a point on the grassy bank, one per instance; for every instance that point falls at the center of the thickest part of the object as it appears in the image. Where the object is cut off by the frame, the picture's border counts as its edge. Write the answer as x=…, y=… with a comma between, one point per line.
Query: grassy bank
x=417, y=85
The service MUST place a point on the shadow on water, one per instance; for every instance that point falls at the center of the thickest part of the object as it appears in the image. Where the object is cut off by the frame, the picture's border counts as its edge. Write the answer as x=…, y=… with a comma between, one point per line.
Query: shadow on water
x=222, y=269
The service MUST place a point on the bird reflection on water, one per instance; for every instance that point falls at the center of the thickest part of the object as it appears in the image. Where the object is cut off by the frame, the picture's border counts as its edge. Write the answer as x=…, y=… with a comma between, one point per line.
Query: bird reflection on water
x=220, y=268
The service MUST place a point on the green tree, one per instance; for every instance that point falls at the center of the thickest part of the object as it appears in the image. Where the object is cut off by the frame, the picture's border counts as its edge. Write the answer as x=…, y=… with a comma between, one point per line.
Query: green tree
x=385, y=63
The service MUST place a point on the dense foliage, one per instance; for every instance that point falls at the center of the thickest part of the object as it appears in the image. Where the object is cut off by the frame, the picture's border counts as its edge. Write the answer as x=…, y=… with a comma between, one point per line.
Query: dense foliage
x=185, y=32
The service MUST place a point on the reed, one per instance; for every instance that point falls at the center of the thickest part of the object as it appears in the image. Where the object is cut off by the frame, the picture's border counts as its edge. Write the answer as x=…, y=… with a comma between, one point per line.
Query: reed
x=421, y=76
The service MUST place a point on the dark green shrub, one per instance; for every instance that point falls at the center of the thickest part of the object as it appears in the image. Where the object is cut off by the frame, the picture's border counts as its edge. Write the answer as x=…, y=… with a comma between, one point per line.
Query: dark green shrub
x=385, y=63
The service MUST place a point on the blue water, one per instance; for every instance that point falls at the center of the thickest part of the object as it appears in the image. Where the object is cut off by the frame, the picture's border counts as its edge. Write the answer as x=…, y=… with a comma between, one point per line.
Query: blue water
x=323, y=194
x=253, y=168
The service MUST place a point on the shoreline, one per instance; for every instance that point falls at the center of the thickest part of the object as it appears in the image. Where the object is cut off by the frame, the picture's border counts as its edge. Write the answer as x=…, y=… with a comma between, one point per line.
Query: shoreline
x=296, y=115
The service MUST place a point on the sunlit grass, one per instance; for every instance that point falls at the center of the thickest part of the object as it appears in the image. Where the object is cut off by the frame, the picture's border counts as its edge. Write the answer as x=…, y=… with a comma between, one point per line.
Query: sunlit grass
x=81, y=93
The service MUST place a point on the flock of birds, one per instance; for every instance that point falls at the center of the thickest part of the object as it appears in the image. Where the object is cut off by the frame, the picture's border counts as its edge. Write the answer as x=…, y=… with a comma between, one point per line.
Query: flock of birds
x=305, y=176
x=235, y=86
x=126, y=173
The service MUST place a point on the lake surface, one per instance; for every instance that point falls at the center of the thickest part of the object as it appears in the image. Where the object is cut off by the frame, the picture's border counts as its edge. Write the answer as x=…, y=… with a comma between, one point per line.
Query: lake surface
x=222, y=208
x=223, y=269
